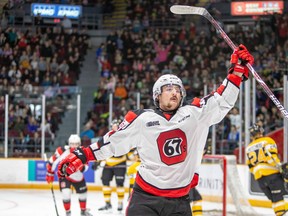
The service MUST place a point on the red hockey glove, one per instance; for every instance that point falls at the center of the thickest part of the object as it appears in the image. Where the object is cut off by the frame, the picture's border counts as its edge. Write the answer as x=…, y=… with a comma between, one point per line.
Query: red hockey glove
x=244, y=55
x=72, y=163
x=49, y=173
x=234, y=57
x=49, y=177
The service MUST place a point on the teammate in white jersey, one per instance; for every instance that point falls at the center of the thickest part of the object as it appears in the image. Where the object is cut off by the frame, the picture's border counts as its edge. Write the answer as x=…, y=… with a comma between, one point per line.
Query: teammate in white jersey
x=76, y=180
x=169, y=140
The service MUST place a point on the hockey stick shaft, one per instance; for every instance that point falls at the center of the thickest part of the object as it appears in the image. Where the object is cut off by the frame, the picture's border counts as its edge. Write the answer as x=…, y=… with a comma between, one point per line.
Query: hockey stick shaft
x=51, y=187
x=183, y=9
x=52, y=190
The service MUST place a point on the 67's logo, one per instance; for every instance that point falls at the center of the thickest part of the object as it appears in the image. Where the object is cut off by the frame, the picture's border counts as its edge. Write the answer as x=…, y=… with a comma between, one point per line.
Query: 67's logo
x=172, y=146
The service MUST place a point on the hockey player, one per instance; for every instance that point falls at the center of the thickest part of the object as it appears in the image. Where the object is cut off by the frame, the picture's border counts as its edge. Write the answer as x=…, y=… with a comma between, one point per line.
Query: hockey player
x=264, y=164
x=114, y=166
x=169, y=140
x=196, y=200
x=132, y=171
x=76, y=179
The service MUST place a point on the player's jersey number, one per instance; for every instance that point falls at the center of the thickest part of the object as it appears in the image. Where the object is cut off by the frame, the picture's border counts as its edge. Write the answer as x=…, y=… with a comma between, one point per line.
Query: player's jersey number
x=257, y=156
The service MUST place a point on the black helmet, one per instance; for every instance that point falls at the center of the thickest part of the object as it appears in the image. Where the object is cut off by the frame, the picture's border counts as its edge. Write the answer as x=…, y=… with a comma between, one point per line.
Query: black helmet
x=256, y=129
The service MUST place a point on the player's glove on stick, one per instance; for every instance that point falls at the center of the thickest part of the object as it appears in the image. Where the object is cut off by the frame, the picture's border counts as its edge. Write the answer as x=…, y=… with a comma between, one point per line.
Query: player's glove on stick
x=242, y=54
x=72, y=163
x=49, y=174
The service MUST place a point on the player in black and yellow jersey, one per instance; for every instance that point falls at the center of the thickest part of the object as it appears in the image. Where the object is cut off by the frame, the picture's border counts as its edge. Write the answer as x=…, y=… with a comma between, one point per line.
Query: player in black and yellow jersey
x=132, y=170
x=114, y=166
x=265, y=165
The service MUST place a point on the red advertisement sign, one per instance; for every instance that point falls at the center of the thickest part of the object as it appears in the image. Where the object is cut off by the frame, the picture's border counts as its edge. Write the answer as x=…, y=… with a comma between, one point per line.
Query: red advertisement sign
x=256, y=8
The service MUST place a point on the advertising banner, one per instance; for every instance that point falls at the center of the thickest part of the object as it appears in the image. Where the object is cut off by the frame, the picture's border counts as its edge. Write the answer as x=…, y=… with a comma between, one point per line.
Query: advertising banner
x=254, y=8
x=37, y=172
x=56, y=10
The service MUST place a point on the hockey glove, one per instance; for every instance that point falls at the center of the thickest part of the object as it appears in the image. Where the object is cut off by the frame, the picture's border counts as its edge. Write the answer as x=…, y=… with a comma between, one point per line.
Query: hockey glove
x=49, y=177
x=72, y=163
x=244, y=55
x=49, y=174
x=239, y=66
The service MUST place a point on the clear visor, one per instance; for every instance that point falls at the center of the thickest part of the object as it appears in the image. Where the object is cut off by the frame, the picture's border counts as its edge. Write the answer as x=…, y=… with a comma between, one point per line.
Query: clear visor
x=170, y=88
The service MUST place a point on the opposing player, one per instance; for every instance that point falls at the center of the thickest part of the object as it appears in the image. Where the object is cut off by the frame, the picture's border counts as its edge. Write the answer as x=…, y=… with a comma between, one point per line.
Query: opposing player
x=113, y=167
x=169, y=140
x=196, y=200
x=76, y=179
x=264, y=164
x=132, y=171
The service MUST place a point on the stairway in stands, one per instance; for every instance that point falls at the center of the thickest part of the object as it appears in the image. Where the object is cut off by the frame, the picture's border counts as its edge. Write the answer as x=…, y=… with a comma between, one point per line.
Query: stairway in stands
x=116, y=19
x=88, y=82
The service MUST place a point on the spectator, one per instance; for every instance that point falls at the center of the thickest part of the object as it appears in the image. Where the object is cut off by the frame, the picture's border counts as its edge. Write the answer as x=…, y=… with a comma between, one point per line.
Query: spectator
x=33, y=125
x=88, y=130
x=66, y=24
x=233, y=138
x=27, y=87
x=63, y=67
x=66, y=80
x=120, y=91
x=235, y=118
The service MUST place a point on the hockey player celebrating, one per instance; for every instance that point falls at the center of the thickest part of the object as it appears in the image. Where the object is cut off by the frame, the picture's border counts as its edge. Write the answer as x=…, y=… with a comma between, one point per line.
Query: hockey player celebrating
x=169, y=140
x=76, y=179
x=264, y=164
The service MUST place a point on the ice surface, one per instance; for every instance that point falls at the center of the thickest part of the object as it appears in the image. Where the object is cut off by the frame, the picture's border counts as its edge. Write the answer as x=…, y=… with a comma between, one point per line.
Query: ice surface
x=28, y=202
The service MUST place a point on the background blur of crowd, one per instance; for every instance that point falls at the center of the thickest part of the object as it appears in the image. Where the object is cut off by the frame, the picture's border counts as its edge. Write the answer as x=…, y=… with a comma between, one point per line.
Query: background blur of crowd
x=130, y=61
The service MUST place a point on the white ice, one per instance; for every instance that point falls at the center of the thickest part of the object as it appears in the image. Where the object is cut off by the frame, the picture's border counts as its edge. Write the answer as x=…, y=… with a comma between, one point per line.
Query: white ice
x=27, y=202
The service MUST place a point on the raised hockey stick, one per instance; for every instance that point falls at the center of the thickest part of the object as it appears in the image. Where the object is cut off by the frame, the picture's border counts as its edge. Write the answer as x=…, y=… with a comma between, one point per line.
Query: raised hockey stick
x=185, y=9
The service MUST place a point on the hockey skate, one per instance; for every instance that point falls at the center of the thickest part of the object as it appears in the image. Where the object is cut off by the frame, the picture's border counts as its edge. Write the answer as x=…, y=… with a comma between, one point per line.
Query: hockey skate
x=68, y=213
x=120, y=207
x=85, y=213
x=107, y=207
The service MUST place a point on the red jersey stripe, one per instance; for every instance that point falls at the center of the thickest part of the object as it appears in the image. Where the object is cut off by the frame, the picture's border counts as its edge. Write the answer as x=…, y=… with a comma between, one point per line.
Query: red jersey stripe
x=172, y=193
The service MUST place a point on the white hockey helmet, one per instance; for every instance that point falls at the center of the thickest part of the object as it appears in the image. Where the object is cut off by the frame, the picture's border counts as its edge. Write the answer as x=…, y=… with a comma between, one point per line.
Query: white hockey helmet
x=167, y=79
x=74, y=139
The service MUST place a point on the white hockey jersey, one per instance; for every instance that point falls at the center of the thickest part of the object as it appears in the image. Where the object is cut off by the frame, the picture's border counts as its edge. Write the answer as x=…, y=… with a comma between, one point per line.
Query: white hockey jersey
x=170, y=150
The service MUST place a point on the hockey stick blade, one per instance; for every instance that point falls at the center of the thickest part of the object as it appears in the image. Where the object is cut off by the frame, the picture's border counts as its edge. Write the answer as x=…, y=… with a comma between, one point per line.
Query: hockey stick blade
x=185, y=9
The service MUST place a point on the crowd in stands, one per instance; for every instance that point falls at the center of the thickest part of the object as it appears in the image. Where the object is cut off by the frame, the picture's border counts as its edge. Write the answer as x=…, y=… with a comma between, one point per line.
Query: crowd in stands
x=132, y=59
x=33, y=62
